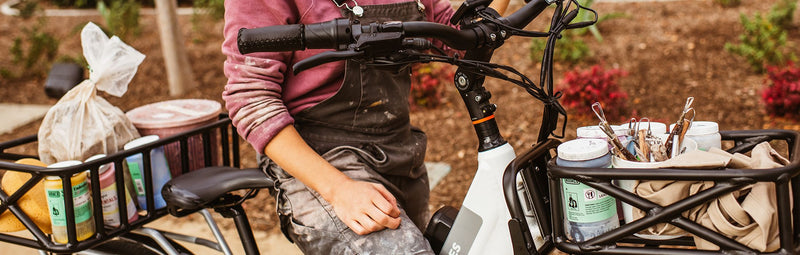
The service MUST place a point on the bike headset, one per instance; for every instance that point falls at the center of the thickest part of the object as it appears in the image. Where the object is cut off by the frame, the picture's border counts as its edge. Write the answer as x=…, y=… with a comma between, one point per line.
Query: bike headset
x=387, y=44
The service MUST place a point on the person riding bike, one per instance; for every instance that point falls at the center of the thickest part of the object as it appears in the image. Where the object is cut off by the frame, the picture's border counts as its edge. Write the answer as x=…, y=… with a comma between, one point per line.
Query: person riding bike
x=337, y=139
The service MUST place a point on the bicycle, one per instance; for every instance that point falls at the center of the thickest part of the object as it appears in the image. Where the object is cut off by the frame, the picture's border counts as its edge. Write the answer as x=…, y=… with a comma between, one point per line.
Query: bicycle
x=397, y=43
x=511, y=226
x=508, y=224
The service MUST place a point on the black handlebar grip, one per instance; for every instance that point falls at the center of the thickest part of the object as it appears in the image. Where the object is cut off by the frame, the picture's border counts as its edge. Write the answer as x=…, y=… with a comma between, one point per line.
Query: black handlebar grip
x=334, y=34
x=271, y=39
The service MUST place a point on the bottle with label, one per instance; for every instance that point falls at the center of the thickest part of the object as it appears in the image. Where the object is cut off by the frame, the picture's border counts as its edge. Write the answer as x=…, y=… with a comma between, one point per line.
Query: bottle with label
x=158, y=166
x=82, y=203
x=588, y=212
x=108, y=194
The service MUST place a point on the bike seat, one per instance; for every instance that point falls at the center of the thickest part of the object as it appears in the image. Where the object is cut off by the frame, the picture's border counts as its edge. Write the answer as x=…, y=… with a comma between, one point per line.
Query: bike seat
x=207, y=187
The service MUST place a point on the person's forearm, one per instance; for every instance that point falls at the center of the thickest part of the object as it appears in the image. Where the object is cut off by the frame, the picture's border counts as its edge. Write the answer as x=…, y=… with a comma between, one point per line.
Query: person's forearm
x=291, y=152
x=499, y=6
x=364, y=207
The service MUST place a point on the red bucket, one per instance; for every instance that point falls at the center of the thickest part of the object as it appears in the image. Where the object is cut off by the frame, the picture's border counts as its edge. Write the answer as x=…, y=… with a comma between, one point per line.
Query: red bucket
x=168, y=118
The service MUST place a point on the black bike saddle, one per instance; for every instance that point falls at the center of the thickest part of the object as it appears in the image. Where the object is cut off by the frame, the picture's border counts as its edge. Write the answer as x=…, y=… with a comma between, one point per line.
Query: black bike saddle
x=207, y=187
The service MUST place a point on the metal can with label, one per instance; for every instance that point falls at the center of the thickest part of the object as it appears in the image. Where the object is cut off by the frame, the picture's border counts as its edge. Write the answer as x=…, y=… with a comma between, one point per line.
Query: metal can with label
x=82, y=204
x=588, y=212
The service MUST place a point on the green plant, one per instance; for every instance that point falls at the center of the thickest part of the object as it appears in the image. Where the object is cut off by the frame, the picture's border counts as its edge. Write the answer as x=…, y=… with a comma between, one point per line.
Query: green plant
x=781, y=97
x=121, y=17
x=762, y=43
x=35, y=50
x=570, y=48
x=581, y=89
x=74, y=3
x=27, y=9
x=728, y=3
x=426, y=84
x=205, y=11
x=584, y=15
x=782, y=13
x=214, y=9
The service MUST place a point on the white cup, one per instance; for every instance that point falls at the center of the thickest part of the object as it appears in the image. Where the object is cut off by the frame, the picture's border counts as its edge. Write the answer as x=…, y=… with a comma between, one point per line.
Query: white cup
x=627, y=210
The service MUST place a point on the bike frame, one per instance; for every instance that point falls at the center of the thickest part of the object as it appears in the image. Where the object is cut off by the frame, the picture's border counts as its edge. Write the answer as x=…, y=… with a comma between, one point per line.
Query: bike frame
x=482, y=224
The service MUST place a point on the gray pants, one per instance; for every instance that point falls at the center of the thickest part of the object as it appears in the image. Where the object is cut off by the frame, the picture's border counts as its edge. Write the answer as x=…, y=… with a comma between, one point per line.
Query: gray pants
x=309, y=220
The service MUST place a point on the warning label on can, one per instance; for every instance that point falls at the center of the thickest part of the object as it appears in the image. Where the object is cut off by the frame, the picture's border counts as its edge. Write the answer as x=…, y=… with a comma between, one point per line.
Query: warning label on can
x=585, y=204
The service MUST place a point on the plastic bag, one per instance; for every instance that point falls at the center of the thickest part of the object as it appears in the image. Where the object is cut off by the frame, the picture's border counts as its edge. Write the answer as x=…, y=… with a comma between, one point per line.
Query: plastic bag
x=81, y=123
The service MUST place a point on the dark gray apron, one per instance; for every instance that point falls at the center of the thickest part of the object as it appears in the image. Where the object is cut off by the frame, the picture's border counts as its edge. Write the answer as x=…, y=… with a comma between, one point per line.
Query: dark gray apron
x=370, y=115
x=364, y=131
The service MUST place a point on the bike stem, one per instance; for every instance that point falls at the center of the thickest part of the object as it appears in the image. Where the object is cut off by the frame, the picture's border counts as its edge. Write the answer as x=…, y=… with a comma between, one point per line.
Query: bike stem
x=476, y=99
x=469, y=82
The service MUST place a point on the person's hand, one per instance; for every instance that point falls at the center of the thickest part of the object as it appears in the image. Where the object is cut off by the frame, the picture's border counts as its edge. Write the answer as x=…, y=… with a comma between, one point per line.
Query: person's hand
x=365, y=207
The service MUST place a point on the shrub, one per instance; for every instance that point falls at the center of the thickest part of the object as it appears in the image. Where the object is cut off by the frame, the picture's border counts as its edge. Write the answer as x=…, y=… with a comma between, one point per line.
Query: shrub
x=728, y=3
x=781, y=97
x=35, y=50
x=75, y=3
x=762, y=43
x=121, y=17
x=782, y=13
x=570, y=48
x=427, y=81
x=582, y=88
x=211, y=8
x=203, y=12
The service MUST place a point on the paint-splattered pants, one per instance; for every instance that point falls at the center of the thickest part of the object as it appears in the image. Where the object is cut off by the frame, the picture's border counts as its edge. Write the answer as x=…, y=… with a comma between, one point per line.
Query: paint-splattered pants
x=309, y=220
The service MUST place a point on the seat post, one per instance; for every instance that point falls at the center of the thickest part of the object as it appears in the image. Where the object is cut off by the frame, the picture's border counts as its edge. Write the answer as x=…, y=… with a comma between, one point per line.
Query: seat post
x=242, y=226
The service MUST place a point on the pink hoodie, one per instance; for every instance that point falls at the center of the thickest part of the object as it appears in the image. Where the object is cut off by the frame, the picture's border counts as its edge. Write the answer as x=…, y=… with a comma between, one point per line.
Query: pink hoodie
x=262, y=94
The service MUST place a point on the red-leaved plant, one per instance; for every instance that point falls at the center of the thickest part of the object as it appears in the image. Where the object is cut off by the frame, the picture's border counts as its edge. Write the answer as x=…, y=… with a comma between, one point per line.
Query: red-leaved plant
x=583, y=88
x=782, y=95
x=427, y=82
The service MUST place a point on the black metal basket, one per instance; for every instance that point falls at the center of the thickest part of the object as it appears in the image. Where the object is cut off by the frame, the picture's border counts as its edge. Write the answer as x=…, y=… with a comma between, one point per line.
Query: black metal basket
x=623, y=241
x=228, y=146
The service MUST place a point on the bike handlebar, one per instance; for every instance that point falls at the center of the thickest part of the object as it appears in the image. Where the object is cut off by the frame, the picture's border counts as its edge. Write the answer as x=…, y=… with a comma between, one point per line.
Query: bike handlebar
x=338, y=34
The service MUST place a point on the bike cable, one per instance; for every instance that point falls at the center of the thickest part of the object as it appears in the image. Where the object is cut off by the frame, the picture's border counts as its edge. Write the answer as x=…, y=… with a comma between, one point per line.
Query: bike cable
x=543, y=92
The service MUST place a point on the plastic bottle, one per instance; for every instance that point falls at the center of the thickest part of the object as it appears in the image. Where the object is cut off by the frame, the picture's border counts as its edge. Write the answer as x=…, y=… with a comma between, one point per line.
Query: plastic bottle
x=705, y=133
x=159, y=169
x=108, y=194
x=594, y=132
x=82, y=204
x=588, y=212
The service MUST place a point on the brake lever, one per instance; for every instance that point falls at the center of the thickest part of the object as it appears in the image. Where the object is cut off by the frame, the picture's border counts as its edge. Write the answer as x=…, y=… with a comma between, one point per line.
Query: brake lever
x=324, y=57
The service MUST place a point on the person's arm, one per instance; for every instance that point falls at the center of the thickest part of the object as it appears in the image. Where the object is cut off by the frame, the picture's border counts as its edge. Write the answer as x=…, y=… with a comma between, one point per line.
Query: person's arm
x=253, y=97
x=364, y=207
x=499, y=6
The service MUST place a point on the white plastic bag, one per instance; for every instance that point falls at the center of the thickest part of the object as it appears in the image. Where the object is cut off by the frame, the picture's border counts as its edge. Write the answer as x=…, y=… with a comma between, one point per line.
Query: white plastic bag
x=82, y=124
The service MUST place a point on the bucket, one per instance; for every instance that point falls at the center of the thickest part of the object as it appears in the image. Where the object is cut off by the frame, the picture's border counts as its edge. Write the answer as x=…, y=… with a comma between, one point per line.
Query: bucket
x=168, y=118
x=627, y=210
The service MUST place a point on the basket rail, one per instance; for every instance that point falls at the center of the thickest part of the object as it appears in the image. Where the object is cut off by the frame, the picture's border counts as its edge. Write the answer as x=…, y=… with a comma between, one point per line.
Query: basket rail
x=785, y=178
x=229, y=154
